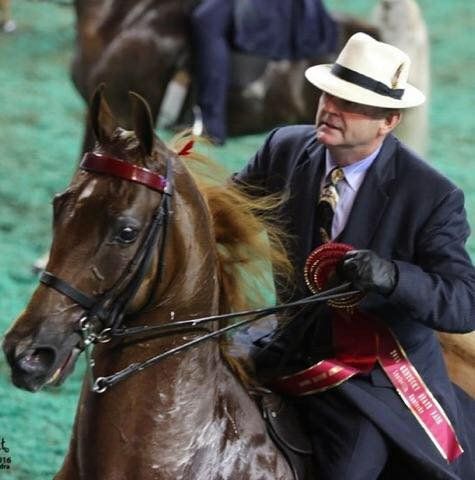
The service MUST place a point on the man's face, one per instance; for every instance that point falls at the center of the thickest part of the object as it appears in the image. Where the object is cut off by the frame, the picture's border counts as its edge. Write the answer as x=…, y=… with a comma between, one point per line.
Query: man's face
x=341, y=123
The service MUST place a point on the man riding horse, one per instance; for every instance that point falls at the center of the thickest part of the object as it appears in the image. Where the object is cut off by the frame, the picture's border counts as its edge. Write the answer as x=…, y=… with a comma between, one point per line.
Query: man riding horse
x=283, y=29
x=367, y=374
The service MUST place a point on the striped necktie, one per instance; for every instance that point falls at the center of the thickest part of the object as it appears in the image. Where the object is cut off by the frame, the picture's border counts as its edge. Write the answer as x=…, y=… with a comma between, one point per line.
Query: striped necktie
x=327, y=203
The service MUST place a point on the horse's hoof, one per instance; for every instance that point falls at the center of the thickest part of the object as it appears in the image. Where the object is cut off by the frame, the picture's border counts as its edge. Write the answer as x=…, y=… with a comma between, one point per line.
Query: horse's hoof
x=9, y=26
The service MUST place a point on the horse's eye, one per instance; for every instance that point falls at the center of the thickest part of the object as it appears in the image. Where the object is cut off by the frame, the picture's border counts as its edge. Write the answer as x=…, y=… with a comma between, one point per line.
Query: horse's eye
x=127, y=234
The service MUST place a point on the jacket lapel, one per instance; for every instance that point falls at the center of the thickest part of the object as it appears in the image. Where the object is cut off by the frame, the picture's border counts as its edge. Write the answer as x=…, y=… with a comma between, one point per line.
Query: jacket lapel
x=371, y=199
x=305, y=189
x=312, y=177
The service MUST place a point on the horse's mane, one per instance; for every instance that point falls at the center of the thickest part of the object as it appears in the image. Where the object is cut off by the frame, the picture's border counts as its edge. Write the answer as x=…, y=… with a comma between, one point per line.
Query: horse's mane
x=250, y=243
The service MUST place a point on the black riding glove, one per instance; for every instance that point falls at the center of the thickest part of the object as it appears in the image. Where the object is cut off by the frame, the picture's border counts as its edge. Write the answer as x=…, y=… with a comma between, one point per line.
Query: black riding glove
x=368, y=272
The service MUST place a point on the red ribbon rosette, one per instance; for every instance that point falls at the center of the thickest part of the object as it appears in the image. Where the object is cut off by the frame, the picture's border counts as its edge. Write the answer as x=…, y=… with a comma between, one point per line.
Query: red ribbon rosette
x=320, y=267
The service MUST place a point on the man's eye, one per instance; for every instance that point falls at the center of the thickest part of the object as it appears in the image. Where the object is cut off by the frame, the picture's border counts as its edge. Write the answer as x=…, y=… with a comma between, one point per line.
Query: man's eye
x=127, y=235
x=351, y=106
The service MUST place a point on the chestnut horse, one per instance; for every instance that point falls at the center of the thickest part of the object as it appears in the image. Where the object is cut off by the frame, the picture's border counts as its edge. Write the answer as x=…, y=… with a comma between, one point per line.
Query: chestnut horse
x=139, y=45
x=134, y=233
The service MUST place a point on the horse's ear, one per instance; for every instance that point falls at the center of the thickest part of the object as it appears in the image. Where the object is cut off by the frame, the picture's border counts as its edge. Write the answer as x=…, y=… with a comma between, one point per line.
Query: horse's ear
x=143, y=122
x=102, y=119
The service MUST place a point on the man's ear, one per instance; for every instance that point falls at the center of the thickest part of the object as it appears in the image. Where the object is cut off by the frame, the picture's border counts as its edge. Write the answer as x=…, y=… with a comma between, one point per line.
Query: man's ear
x=391, y=121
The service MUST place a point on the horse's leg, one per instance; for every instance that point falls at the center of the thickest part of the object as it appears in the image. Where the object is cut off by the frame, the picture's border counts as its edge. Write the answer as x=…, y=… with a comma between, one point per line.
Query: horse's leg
x=4, y=11
x=6, y=22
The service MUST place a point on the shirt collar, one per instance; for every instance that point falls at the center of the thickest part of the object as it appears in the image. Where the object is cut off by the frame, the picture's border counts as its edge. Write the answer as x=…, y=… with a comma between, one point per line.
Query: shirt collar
x=355, y=172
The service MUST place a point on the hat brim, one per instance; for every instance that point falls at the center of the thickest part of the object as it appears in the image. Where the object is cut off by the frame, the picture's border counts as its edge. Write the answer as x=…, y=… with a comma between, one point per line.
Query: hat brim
x=322, y=77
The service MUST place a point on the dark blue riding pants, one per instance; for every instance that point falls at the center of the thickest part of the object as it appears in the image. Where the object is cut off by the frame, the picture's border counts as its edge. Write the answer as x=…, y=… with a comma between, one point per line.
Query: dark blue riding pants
x=276, y=29
x=211, y=22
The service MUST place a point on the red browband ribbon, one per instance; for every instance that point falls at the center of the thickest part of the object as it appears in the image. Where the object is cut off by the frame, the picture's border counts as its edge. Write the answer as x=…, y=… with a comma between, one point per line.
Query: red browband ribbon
x=99, y=163
x=361, y=340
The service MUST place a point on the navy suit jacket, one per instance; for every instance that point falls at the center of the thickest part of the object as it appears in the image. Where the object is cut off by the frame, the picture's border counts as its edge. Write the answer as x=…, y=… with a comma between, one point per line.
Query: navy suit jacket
x=404, y=211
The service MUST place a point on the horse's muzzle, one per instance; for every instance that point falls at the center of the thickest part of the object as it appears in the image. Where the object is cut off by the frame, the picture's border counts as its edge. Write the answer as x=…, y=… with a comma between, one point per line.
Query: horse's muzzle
x=30, y=365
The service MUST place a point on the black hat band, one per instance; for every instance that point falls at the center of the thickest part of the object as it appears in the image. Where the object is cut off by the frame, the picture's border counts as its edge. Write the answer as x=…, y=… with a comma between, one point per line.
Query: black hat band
x=366, y=82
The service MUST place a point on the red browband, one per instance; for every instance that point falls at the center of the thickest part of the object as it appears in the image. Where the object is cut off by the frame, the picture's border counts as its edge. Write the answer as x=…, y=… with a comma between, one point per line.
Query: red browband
x=98, y=163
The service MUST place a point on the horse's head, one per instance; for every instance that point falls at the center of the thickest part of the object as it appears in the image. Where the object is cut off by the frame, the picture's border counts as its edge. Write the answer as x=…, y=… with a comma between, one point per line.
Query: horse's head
x=110, y=257
x=106, y=256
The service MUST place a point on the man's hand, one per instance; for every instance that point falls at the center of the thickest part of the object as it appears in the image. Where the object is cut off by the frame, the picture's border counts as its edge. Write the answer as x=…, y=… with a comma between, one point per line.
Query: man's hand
x=368, y=272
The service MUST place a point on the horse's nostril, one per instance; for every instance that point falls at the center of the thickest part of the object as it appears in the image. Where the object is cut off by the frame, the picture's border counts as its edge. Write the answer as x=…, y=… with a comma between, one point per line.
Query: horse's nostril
x=36, y=361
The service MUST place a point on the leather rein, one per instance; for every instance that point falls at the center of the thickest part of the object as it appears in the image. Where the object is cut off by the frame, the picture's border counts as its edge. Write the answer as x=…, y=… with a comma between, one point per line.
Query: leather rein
x=105, y=313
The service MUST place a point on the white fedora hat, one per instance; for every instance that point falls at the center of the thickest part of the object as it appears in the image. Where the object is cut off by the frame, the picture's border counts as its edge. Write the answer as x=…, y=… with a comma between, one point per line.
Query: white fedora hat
x=368, y=72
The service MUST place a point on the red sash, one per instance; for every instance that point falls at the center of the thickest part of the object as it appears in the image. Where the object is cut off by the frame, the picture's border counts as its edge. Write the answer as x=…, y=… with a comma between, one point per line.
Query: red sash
x=376, y=343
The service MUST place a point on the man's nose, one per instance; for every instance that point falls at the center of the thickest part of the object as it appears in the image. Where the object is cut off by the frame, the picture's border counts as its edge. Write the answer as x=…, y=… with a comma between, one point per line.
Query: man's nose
x=328, y=103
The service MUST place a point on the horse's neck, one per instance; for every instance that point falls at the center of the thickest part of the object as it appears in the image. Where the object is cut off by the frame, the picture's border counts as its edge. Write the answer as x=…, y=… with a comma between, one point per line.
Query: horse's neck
x=196, y=389
x=191, y=282
x=187, y=417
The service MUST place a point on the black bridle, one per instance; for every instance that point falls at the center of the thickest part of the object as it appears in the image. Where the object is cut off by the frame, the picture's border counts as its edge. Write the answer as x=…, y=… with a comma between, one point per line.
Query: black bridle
x=104, y=313
x=102, y=383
